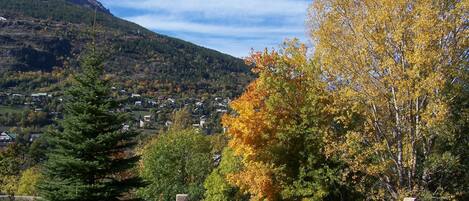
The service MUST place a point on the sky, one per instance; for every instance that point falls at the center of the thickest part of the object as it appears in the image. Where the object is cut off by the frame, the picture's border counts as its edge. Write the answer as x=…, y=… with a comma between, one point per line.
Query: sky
x=234, y=27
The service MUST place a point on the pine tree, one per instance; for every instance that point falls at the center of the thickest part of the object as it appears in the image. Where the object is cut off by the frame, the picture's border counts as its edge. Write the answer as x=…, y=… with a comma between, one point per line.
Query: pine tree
x=89, y=158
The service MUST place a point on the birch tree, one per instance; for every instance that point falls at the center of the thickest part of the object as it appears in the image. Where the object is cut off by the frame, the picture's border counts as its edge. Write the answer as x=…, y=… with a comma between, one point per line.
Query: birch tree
x=388, y=64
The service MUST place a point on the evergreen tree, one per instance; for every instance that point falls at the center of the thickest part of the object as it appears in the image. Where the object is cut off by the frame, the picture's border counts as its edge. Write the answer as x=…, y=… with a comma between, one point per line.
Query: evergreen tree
x=89, y=158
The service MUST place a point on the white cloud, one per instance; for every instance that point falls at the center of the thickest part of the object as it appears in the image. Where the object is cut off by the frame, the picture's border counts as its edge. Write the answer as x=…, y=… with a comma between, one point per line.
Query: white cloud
x=219, y=8
x=230, y=26
x=235, y=47
x=161, y=23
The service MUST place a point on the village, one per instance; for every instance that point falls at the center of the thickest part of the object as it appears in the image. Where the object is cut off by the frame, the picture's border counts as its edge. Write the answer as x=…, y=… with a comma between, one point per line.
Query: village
x=37, y=111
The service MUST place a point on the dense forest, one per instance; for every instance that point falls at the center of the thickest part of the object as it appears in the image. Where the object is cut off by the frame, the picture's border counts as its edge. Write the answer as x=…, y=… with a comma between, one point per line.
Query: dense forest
x=378, y=110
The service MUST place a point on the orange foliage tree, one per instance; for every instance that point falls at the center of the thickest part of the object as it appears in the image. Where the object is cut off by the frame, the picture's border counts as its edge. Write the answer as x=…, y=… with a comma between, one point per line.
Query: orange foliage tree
x=276, y=129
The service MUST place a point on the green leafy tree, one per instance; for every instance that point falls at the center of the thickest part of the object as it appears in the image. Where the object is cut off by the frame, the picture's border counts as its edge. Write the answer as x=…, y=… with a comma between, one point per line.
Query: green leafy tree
x=217, y=186
x=176, y=162
x=88, y=154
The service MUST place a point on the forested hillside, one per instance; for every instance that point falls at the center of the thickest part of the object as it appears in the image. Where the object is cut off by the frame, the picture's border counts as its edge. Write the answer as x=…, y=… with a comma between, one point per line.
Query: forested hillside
x=39, y=39
x=42, y=43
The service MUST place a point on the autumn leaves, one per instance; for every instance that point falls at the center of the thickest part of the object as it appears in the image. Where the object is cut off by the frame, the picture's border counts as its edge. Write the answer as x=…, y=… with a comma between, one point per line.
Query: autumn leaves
x=371, y=109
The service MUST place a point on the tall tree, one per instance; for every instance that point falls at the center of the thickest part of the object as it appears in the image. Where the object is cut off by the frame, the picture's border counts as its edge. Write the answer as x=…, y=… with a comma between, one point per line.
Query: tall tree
x=86, y=159
x=389, y=64
x=276, y=130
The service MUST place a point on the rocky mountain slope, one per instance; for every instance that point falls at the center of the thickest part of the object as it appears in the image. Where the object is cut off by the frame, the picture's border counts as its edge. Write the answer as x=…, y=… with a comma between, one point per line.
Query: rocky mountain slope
x=41, y=42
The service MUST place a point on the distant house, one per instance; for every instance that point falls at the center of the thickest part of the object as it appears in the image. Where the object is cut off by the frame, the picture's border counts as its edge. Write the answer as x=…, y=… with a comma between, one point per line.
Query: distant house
x=135, y=96
x=17, y=95
x=7, y=137
x=39, y=95
x=141, y=124
x=138, y=103
x=152, y=102
x=147, y=118
x=34, y=137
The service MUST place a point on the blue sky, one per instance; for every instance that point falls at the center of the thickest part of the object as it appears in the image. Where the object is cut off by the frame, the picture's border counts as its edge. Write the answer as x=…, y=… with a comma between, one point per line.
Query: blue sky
x=230, y=26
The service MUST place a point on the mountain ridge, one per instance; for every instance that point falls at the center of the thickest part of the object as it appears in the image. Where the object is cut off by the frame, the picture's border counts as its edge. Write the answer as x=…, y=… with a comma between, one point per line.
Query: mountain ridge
x=52, y=34
x=93, y=4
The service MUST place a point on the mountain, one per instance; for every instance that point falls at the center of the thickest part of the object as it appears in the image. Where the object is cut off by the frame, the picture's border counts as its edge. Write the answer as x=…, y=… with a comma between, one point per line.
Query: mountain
x=41, y=42
x=93, y=4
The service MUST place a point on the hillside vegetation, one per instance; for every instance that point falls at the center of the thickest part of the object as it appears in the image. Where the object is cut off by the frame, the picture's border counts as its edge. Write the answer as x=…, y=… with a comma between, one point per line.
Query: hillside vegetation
x=49, y=35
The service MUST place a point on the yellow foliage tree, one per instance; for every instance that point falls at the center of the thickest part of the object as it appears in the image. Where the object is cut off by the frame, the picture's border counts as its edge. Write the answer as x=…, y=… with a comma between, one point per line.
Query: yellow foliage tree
x=28, y=181
x=388, y=63
x=9, y=184
x=249, y=132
